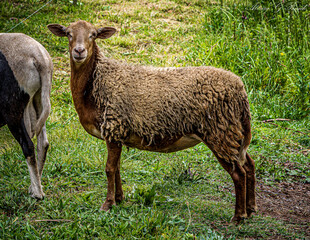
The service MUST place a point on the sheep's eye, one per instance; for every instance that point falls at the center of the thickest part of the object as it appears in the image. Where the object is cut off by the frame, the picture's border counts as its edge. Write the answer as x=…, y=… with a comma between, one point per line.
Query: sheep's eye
x=69, y=35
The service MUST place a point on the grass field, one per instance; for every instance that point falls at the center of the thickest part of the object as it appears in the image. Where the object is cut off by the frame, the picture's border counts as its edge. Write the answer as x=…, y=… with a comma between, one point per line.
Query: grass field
x=267, y=44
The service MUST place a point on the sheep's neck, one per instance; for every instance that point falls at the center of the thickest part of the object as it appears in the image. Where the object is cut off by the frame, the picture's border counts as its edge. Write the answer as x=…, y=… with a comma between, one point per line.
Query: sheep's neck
x=81, y=76
x=81, y=88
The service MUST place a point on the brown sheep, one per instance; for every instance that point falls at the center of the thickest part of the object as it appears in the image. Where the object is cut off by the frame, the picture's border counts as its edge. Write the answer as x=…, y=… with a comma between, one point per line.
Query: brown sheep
x=159, y=109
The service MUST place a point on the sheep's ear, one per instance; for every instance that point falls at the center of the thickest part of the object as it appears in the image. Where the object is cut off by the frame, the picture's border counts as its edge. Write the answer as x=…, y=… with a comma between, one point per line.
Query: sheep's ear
x=57, y=29
x=105, y=32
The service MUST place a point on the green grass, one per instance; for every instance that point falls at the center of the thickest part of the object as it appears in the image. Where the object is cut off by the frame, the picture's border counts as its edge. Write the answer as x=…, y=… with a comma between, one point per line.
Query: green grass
x=162, y=201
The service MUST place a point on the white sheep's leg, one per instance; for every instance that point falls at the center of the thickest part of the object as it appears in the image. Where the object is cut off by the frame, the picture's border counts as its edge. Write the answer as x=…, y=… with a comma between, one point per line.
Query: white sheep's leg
x=42, y=148
x=114, y=154
x=20, y=134
x=30, y=116
x=119, y=195
x=35, y=188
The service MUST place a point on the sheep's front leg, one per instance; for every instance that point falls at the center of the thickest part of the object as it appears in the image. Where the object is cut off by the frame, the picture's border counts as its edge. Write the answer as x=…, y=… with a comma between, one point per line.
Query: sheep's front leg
x=114, y=154
x=20, y=134
x=119, y=195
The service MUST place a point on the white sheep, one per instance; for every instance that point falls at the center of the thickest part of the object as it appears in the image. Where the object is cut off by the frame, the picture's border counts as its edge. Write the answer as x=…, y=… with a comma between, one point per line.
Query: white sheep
x=25, y=99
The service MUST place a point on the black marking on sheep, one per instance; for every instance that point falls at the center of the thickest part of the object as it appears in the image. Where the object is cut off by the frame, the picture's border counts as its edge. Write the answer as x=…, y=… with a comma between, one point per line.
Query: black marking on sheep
x=13, y=101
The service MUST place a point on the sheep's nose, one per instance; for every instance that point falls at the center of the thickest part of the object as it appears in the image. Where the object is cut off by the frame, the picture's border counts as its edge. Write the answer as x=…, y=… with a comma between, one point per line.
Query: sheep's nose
x=79, y=50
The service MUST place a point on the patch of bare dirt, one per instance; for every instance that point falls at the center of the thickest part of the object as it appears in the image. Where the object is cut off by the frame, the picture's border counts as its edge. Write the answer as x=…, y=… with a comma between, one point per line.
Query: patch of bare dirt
x=289, y=202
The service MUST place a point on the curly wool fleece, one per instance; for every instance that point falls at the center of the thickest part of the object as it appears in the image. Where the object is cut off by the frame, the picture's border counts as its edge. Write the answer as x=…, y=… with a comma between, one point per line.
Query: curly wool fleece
x=156, y=103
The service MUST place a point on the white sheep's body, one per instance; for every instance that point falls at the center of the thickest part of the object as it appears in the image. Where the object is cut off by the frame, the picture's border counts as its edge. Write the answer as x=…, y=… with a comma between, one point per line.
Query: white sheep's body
x=33, y=69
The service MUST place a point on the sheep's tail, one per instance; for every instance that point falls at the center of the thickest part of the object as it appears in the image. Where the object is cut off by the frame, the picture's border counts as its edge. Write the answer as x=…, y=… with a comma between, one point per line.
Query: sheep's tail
x=46, y=84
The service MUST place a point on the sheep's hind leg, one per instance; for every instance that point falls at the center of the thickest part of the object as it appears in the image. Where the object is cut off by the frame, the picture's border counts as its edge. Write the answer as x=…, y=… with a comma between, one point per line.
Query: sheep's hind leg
x=249, y=167
x=114, y=154
x=20, y=134
x=32, y=114
x=42, y=148
x=238, y=175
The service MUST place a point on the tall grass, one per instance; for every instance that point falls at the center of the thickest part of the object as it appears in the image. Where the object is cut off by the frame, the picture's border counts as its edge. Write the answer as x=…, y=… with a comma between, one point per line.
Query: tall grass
x=267, y=44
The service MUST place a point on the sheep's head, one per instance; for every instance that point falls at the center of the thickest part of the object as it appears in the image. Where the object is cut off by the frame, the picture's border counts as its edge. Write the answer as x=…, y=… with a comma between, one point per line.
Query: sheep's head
x=81, y=36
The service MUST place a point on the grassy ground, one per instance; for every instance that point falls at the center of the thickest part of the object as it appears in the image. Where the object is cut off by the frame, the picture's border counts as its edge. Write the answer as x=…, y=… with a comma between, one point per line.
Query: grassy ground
x=164, y=201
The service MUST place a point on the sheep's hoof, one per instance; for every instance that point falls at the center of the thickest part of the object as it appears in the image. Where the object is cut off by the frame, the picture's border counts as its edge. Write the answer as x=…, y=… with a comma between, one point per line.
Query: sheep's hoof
x=107, y=206
x=251, y=210
x=238, y=219
x=36, y=193
x=119, y=198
